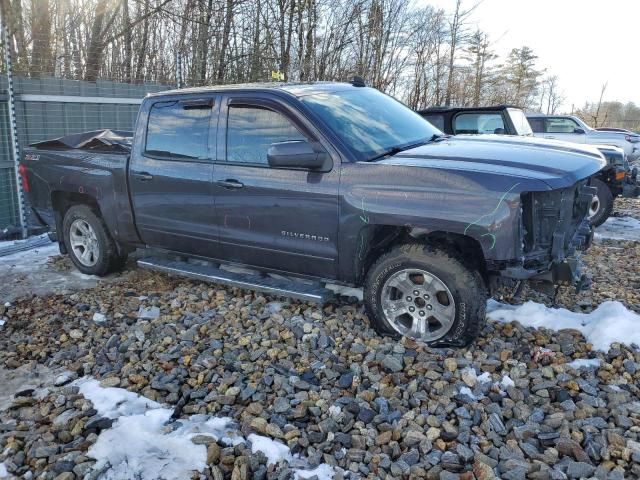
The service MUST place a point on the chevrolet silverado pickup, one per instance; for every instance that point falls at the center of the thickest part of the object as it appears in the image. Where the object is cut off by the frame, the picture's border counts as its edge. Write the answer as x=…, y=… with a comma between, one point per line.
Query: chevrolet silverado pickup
x=323, y=182
x=616, y=179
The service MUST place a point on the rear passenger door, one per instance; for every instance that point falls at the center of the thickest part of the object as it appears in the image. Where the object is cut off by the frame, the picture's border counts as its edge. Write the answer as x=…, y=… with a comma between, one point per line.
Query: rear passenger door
x=284, y=219
x=170, y=175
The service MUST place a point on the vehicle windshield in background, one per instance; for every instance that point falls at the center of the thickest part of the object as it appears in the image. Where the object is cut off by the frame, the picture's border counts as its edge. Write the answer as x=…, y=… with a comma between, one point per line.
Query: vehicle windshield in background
x=370, y=122
x=520, y=122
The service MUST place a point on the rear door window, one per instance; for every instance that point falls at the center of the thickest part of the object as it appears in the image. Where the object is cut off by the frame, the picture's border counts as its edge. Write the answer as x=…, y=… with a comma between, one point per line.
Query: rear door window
x=179, y=130
x=478, y=123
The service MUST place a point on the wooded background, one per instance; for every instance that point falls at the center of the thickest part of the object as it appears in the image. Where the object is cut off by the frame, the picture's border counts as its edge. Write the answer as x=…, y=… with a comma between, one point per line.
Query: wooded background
x=422, y=55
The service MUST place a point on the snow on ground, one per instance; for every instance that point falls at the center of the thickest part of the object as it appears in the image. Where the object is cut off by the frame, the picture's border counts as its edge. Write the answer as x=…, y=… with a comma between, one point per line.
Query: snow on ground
x=27, y=376
x=145, y=444
x=26, y=273
x=619, y=228
x=29, y=260
x=610, y=322
x=274, y=451
x=3, y=471
x=584, y=363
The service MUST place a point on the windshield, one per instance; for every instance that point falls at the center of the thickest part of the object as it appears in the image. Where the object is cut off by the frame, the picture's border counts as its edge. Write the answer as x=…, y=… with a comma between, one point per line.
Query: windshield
x=370, y=122
x=520, y=122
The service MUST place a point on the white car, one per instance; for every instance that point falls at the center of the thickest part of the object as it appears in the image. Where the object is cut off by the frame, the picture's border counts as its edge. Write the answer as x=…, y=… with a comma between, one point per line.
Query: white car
x=569, y=128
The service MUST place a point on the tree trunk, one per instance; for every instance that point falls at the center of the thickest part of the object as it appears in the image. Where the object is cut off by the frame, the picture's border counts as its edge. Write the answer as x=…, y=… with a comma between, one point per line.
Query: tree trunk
x=128, y=42
x=41, y=55
x=222, y=62
x=96, y=47
x=142, y=49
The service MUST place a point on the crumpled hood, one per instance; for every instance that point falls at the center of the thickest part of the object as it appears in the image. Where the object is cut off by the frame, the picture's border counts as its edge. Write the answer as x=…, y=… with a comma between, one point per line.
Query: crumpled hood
x=558, y=164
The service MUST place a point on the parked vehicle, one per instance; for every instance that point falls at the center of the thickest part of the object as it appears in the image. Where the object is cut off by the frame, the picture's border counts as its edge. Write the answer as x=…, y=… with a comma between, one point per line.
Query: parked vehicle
x=328, y=182
x=569, y=128
x=615, y=179
x=498, y=119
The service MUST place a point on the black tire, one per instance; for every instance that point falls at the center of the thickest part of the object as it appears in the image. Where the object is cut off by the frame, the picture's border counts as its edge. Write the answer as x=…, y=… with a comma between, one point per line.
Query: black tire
x=107, y=259
x=604, y=199
x=465, y=285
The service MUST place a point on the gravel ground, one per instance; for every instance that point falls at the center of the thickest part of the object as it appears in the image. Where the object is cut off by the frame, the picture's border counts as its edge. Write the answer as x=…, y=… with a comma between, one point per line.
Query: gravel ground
x=322, y=382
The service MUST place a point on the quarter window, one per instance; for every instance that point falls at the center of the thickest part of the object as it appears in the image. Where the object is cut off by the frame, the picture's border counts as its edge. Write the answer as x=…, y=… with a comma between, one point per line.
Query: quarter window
x=178, y=130
x=252, y=130
x=561, y=125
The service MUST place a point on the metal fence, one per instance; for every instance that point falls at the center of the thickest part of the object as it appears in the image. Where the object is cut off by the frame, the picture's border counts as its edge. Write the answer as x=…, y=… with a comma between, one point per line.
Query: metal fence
x=49, y=107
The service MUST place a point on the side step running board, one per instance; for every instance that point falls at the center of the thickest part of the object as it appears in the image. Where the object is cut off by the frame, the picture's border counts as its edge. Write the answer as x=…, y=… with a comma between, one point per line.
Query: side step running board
x=211, y=273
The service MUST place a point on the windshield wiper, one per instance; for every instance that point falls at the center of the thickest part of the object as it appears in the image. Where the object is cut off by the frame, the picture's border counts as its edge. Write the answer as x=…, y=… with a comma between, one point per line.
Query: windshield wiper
x=401, y=148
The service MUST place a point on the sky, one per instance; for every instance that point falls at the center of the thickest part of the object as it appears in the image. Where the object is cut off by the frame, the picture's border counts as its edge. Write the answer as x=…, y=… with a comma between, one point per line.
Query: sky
x=584, y=42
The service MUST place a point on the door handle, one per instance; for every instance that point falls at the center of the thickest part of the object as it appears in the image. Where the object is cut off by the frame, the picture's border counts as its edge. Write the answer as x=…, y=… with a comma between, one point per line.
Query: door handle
x=143, y=176
x=549, y=136
x=230, y=184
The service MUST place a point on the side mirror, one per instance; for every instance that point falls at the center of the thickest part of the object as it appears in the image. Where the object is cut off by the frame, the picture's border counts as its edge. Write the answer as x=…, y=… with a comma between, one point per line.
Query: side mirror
x=579, y=130
x=295, y=154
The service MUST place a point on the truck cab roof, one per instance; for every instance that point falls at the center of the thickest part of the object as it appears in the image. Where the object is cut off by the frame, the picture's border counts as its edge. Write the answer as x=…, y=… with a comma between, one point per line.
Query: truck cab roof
x=297, y=89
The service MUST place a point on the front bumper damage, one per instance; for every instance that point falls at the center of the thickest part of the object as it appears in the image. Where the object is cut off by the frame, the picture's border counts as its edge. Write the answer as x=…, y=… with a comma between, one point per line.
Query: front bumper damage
x=631, y=186
x=555, y=231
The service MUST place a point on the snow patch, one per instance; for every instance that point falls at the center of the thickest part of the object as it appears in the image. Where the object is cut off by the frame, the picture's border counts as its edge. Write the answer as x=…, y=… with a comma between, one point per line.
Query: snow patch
x=144, y=443
x=485, y=377
x=610, y=322
x=584, y=363
x=619, y=228
x=2, y=322
x=29, y=260
x=345, y=291
x=322, y=472
x=4, y=473
x=274, y=451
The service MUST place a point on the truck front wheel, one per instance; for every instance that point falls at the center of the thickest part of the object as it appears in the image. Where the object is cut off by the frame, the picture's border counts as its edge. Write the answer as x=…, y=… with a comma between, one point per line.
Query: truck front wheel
x=90, y=247
x=426, y=294
x=601, y=204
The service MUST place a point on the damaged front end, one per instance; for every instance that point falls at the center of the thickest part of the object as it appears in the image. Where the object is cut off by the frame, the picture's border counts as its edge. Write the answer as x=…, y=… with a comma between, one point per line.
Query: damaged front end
x=554, y=229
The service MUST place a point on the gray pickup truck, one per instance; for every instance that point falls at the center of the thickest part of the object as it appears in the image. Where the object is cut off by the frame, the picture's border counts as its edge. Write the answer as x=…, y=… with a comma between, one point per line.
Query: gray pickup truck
x=328, y=182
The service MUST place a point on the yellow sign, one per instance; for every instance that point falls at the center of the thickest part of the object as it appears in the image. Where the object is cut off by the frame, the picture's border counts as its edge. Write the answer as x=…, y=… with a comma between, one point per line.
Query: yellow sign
x=277, y=75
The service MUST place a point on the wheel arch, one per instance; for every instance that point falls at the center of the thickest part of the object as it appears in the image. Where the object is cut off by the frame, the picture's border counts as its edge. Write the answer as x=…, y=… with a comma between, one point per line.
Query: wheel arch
x=379, y=239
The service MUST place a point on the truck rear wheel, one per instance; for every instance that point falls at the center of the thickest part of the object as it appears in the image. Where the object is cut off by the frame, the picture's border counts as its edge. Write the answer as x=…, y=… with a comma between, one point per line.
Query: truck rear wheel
x=601, y=204
x=90, y=247
x=426, y=294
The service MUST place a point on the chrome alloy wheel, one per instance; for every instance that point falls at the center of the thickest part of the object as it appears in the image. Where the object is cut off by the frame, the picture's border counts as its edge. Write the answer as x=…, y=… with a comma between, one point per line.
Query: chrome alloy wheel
x=84, y=242
x=418, y=304
x=594, y=206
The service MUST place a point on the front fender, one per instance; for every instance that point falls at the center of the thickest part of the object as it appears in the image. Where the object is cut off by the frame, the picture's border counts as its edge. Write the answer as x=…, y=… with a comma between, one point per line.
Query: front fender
x=486, y=209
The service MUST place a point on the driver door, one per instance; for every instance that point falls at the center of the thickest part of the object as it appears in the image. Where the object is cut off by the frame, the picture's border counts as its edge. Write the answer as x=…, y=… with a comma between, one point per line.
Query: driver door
x=283, y=219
